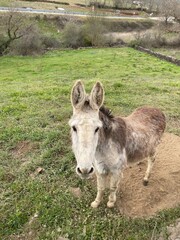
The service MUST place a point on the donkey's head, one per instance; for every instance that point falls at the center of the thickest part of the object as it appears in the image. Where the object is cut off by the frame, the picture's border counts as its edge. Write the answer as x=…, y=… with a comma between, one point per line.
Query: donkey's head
x=85, y=125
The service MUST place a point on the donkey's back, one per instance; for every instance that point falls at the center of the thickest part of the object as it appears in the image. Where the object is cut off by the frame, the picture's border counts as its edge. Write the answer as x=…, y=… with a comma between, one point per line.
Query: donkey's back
x=145, y=127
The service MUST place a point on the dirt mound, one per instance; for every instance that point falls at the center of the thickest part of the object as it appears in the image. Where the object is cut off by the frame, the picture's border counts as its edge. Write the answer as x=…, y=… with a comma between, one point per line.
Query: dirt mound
x=163, y=190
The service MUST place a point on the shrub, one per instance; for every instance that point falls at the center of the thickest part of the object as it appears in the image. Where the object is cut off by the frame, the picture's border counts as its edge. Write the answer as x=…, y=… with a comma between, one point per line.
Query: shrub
x=33, y=43
x=72, y=35
x=29, y=44
x=50, y=42
x=91, y=33
x=3, y=39
x=149, y=39
x=174, y=42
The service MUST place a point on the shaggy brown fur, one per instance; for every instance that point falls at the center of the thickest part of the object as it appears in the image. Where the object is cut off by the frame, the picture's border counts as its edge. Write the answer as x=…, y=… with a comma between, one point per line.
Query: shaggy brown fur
x=140, y=132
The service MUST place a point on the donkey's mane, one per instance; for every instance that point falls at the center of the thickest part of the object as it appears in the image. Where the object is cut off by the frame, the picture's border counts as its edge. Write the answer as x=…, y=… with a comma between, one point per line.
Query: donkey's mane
x=106, y=112
x=106, y=117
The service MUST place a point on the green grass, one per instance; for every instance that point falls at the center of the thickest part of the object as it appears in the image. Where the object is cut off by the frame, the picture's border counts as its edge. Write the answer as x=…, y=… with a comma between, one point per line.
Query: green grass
x=34, y=132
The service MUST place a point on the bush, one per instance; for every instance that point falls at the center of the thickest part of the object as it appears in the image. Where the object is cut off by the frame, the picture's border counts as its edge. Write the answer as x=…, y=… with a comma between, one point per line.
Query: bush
x=174, y=42
x=50, y=42
x=3, y=39
x=153, y=39
x=91, y=33
x=72, y=35
x=29, y=44
x=33, y=43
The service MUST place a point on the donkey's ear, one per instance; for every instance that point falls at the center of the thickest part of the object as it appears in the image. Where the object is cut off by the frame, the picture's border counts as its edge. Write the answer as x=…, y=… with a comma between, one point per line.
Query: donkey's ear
x=97, y=96
x=78, y=95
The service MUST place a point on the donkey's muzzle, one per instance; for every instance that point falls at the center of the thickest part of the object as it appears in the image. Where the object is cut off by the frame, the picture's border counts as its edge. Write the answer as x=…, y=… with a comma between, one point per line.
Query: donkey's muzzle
x=85, y=172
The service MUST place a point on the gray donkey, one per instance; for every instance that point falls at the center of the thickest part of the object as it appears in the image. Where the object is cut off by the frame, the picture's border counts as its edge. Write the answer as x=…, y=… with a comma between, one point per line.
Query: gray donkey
x=104, y=144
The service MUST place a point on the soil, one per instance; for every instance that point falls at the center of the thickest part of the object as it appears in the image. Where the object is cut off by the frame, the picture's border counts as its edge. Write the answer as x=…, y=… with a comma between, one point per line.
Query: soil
x=163, y=191
x=23, y=148
x=174, y=231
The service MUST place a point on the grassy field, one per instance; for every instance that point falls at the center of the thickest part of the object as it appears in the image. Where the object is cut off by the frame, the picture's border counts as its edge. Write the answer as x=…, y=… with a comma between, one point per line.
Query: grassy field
x=34, y=133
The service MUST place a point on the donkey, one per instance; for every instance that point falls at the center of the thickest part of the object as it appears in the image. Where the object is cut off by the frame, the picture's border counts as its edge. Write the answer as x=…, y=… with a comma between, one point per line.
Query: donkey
x=104, y=144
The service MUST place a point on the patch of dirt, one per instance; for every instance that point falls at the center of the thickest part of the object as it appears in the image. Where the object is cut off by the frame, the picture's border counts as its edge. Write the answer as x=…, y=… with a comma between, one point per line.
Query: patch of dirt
x=23, y=148
x=76, y=192
x=163, y=190
x=38, y=171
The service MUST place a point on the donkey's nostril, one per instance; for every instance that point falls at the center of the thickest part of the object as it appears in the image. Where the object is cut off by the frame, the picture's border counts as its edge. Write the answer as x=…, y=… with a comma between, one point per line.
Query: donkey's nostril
x=85, y=171
x=79, y=171
x=91, y=170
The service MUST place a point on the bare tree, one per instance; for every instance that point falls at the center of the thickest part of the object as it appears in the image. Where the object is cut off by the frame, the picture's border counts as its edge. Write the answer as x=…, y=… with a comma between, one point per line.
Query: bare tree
x=151, y=5
x=177, y=11
x=13, y=26
x=169, y=8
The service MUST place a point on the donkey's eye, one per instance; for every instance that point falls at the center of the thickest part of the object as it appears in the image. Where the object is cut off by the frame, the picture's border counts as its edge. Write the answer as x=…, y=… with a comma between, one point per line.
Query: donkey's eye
x=97, y=129
x=74, y=128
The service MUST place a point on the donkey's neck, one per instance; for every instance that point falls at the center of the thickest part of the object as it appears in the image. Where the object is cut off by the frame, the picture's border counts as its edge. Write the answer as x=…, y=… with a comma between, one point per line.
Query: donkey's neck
x=110, y=151
x=112, y=131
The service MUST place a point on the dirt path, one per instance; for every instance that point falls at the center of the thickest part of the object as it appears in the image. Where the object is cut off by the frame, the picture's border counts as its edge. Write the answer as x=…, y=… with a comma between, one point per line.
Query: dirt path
x=163, y=191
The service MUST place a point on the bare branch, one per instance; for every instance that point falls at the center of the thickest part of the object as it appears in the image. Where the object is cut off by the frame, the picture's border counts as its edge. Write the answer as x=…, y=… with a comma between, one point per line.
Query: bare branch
x=16, y=27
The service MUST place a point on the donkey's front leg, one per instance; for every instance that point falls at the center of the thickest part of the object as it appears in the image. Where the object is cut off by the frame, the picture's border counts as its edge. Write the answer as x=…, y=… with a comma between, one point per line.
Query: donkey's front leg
x=101, y=185
x=114, y=181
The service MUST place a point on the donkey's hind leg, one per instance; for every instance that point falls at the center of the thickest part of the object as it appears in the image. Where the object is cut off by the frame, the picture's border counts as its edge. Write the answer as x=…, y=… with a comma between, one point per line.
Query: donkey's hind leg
x=101, y=184
x=114, y=182
x=151, y=160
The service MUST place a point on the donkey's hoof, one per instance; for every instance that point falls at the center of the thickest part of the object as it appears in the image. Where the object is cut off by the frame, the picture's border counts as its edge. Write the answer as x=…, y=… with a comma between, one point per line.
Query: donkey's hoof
x=95, y=204
x=145, y=182
x=110, y=204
